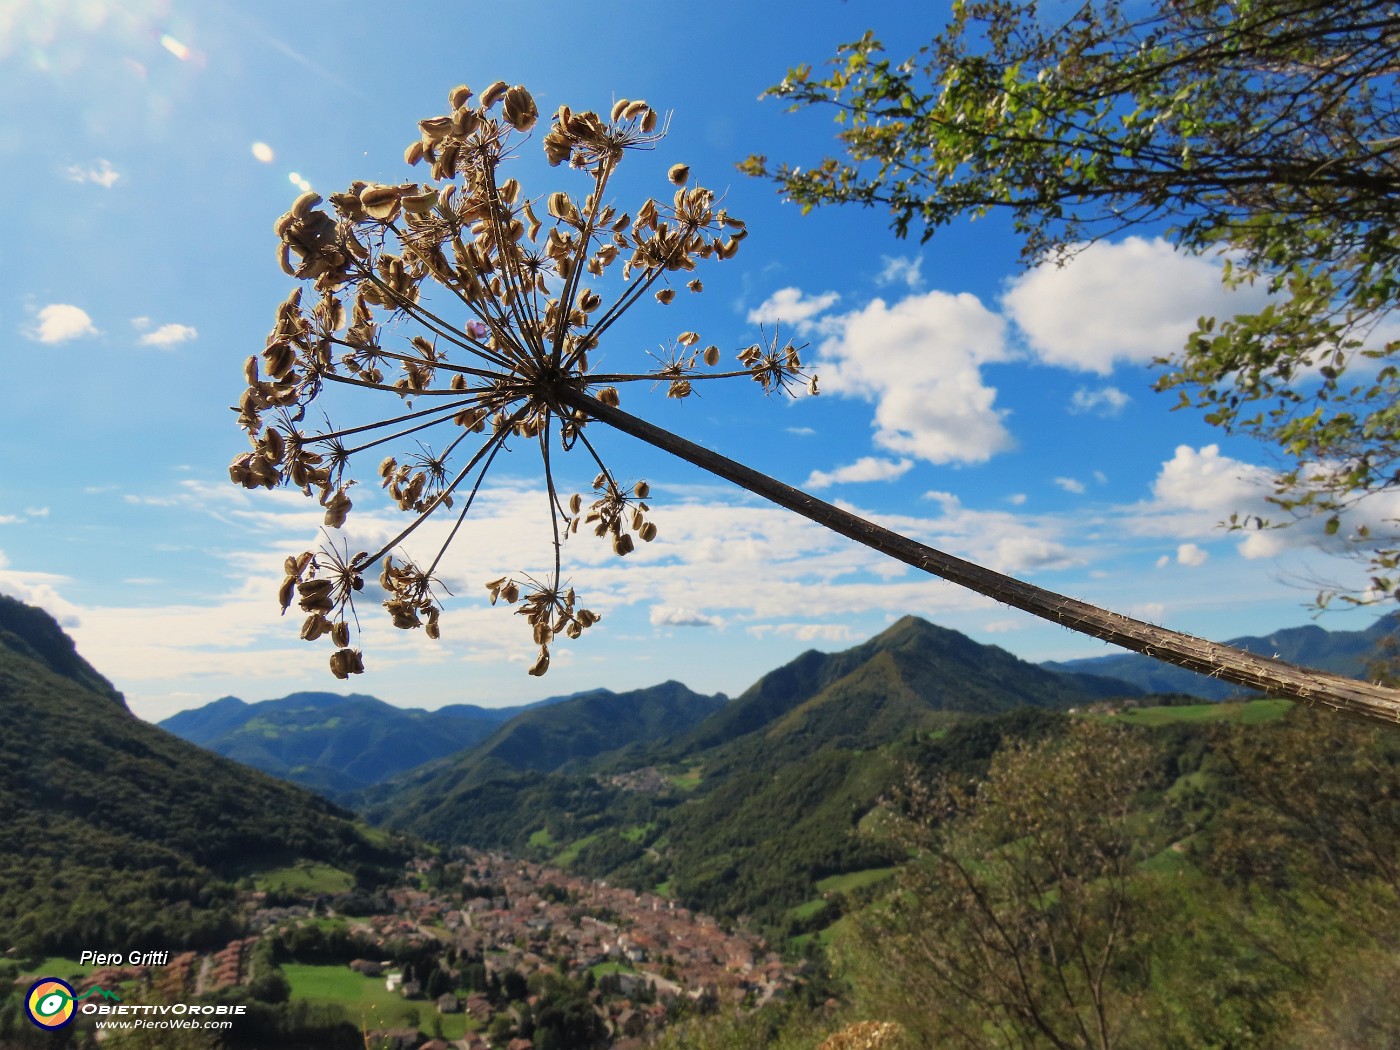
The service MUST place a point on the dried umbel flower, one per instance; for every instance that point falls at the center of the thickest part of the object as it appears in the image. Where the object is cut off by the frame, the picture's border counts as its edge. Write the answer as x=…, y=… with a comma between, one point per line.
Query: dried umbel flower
x=471, y=308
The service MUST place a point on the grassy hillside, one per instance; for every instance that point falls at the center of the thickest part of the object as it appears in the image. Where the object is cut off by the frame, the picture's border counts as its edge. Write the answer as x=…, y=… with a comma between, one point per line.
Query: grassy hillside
x=116, y=832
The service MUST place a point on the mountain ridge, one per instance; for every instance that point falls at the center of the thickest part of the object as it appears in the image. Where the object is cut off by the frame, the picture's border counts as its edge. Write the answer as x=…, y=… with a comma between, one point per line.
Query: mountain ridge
x=1342, y=652
x=118, y=832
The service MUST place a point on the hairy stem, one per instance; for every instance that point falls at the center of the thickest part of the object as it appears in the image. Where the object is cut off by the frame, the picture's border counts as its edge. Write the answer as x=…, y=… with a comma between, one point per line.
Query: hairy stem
x=1274, y=677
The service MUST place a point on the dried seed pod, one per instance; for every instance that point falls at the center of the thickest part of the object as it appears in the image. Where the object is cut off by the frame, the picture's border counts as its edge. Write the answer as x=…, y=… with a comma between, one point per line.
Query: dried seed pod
x=678, y=174
x=314, y=626
x=575, y=503
x=641, y=489
x=541, y=664
x=340, y=634
x=711, y=355
x=622, y=544
x=647, y=532
x=458, y=96
x=688, y=338
x=285, y=593
x=665, y=296
x=301, y=207
x=519, y=109
x=493, y=94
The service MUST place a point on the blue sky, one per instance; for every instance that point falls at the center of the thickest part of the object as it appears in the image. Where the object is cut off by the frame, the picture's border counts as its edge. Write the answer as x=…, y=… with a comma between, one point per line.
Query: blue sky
x=1004, y=416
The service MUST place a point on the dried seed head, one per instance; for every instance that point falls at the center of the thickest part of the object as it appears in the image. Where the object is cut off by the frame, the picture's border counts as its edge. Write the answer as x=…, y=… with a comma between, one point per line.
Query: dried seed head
x=520, y=109
x=493, y=94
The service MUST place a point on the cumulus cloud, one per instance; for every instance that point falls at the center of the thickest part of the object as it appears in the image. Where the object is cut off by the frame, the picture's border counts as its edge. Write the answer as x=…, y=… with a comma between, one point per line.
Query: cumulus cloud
x=1127, y=301
x=901, y=270
x=99, y=172
x=804, y=632
x=169, y=335
x=867, y=468
x=1192, y=555
x=919, y=361
x=669, y=616
x=60, y=322
x=1198, y=489
x=1071, y=485
x=1107, y=401
x=791, y=306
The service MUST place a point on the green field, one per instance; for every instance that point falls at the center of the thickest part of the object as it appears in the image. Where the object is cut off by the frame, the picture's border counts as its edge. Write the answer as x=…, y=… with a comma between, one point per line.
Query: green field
x=366, y=1001
x=1246, y=712
x=305, y=877
x=57, y=966
x=854, y=880
x=569, y=853
x=688, y=780
x=808, y=909
x=542, y=838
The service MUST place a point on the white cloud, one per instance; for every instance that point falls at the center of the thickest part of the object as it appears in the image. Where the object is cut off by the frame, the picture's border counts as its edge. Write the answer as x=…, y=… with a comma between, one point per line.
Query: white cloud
x=1128, y=301
x=669, y=616
x=901, y=270
x=800, y=431
x=1002, y=626
x=1199, y=489
x=1071, y=485
x=920, y=362
x=100, y=172
x=1107, y=401
x=1192, y=555
x=60, y=322
x=791, y=306
x=1016, y=499
x=1023, y=553
x=804, y=632
x=169, y=335
x=867, y=468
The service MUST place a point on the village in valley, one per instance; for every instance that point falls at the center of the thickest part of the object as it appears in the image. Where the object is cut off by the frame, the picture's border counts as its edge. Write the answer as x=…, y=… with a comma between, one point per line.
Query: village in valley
x=468, y=943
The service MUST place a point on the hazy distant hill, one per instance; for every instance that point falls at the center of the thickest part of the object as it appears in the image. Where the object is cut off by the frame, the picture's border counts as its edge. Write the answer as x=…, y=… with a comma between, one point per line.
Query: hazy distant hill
x=1343, y=652
x=543, y=740
x=337, y=744
x=114, y=832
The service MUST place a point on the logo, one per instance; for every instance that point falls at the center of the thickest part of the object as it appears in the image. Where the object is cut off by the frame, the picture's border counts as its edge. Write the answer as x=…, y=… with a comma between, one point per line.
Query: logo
x=50, y=1002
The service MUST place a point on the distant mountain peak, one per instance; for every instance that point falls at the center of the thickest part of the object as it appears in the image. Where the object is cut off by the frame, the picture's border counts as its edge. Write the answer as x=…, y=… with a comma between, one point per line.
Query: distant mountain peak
x=32, y=632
